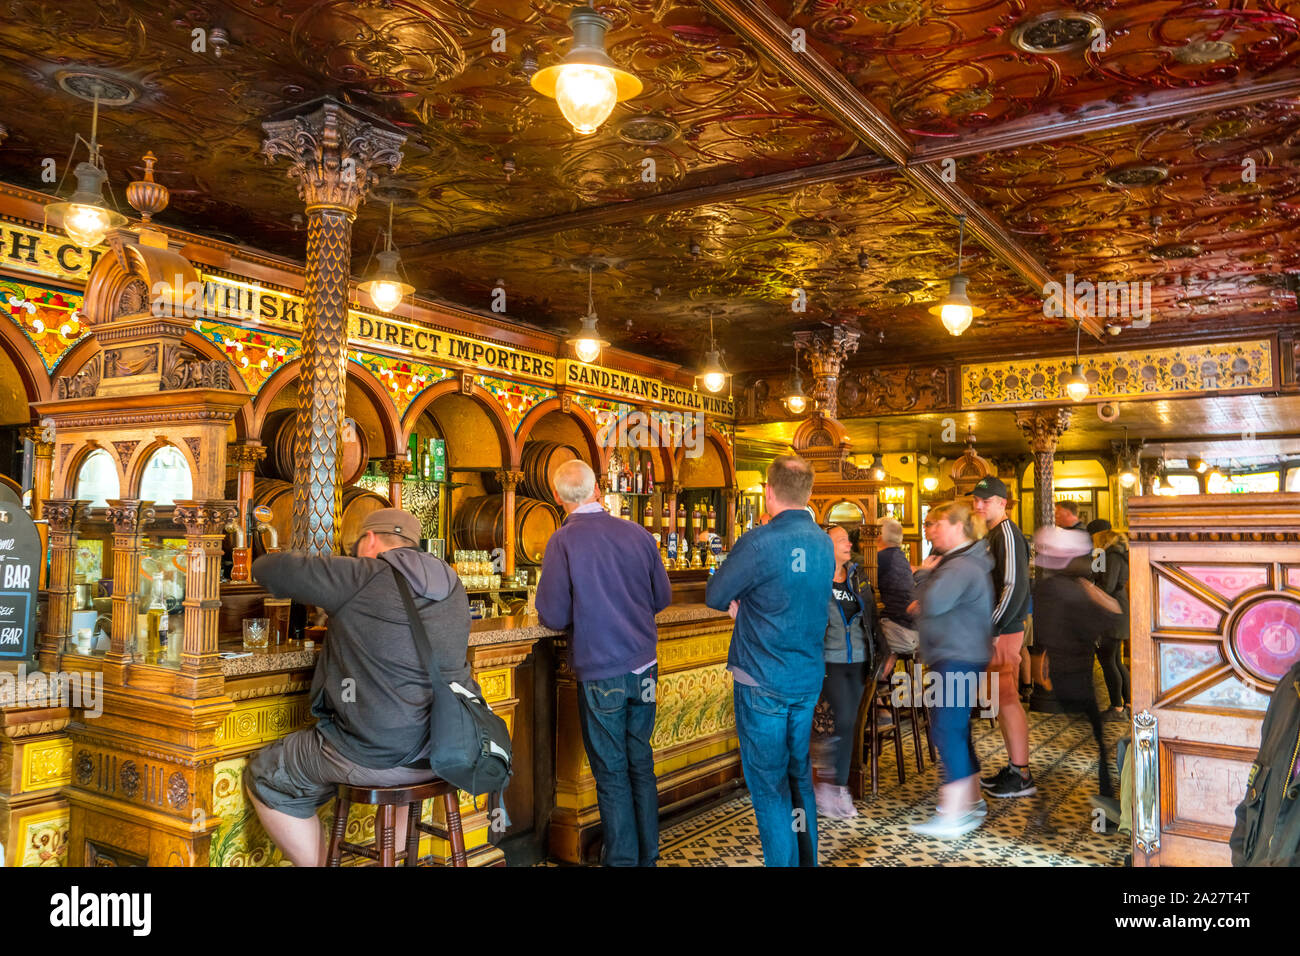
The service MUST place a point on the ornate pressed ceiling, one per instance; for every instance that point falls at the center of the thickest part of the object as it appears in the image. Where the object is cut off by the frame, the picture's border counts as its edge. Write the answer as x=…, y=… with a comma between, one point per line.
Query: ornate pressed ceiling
x=1115, y=156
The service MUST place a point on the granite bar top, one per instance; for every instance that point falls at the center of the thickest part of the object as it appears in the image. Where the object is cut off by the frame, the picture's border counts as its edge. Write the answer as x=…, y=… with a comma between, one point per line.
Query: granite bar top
x=284, y=657
x=527, y=627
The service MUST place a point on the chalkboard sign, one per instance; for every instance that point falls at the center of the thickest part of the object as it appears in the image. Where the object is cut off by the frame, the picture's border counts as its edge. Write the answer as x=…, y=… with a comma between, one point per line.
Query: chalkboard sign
x=20, y=568
x=672, y=545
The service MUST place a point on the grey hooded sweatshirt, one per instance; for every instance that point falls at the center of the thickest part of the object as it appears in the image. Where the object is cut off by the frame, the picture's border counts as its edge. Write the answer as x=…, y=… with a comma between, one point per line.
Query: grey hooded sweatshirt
x=955, y=623
x=370, y=693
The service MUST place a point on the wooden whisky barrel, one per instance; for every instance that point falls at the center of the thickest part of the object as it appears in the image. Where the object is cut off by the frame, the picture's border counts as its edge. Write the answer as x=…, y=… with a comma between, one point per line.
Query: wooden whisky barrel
x=278, y=496
x=480, y=526
x=277, y=436
x=539, y=463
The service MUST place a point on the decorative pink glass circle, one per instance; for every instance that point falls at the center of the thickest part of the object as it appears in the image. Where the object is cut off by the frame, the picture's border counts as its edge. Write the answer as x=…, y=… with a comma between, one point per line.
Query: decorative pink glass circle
x=1267, y=637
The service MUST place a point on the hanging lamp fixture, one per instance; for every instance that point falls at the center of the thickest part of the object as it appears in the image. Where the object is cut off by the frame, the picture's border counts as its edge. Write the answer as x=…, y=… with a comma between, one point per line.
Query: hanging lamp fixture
x=586, y=84
x=955, y=309
x=385, y=286
x=795, y=399
x=1128, y=474
x=84, y=216
x=931, y=480
x=714, y=375
x=1076, y=386
x=588, y=343
x=877, y=460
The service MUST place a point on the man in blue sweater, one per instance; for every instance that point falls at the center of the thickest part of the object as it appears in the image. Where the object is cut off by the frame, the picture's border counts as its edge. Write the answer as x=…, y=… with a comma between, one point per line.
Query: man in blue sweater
x=777, y=585
x=602, y=576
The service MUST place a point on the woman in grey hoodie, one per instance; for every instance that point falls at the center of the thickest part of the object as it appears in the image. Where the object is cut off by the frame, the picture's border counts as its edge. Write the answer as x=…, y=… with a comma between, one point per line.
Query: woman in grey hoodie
x=954, y=614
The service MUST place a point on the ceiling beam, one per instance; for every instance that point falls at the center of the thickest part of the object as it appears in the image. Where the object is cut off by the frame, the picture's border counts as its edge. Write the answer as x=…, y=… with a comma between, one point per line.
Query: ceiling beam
x=659, y=203
x=769, y=35
x=1158, y=107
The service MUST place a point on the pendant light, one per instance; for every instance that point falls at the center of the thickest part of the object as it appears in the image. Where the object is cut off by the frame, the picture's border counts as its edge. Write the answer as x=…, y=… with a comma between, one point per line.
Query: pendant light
x=385, y=286
x=931, y=479
x=586, y=84
x=796, y=400
x=1128, y=474
x=714, y=375
x=955, y=309
x=84, y=216
x=877, y=460
x=1076, y=386
x=588, y=343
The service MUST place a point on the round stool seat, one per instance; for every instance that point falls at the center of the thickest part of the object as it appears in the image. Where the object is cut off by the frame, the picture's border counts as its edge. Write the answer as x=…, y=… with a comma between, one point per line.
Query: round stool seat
x=387, y=800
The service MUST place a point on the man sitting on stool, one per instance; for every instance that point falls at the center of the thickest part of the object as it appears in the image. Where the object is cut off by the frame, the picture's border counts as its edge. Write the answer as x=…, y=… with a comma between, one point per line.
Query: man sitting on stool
x=371, y=692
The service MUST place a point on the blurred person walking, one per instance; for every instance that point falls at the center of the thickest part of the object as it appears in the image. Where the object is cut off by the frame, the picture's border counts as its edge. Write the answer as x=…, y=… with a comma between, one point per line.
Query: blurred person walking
x=1070, y=614
x=1112, y=578
x=954, y=611
x=776, y=583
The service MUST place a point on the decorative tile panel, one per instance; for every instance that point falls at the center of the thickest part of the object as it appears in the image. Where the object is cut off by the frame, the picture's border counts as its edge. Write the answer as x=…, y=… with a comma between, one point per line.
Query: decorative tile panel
x=515, y=398
x=49, y=318
x=47, y=763
x=1144, y=373
x=256, y=354
x=405, y=380
x=43, y=838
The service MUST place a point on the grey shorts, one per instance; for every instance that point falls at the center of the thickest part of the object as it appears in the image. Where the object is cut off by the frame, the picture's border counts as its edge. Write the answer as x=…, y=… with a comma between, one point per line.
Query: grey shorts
x=901, y=640
x=300, y=772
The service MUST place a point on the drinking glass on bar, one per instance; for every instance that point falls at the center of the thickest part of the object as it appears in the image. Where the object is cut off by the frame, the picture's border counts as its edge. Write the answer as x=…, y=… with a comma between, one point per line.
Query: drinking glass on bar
x=256, y=631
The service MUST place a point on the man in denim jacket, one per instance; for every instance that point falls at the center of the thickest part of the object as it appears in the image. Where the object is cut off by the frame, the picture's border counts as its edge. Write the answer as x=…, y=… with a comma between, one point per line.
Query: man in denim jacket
x=777, y=585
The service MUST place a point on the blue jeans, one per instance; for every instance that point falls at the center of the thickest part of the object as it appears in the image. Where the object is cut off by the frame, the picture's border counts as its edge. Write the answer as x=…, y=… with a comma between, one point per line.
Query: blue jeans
x=617, y=716
x=950, y=719
x=774, y=731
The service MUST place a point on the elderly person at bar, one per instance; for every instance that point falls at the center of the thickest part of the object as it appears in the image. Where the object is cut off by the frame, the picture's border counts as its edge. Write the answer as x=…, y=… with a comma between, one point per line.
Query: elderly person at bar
x=894, y=573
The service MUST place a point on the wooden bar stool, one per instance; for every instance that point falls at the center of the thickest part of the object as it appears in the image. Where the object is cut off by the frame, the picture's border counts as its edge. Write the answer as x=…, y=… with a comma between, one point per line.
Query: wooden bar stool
x=920, y=715
x=877, y=702
x=387, y=800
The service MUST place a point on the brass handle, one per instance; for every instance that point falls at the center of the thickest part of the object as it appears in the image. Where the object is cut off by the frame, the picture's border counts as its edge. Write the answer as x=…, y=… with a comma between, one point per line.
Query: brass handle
x=1146, y=783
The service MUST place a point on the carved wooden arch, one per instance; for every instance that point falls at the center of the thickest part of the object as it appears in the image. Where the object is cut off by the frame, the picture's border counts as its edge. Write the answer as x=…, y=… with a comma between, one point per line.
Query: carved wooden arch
x=144, y=451
x=455, y=385
x=723, y=446
x=112, y=288
x=819, y=433
x=357, y=374
x=584, y=420
x=31, y=370
x=77, y=457
x=825, y=505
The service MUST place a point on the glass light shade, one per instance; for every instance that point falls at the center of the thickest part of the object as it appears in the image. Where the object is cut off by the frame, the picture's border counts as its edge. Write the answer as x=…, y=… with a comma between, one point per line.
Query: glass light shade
x=796, y=403
x=586, y=83
x=84, y=217
x=587, y=343
x=1076, y=386
x=1202, y=467
x=929, y=482
x=1127, y=478
x=586, y=349
x=955, y=309
x=586, y=95
x=385, y=285
x=715, y=379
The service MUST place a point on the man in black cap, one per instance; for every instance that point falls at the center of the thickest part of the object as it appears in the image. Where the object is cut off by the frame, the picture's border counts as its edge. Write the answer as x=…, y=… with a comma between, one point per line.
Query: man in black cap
x=371, y=692
x=1010, y=554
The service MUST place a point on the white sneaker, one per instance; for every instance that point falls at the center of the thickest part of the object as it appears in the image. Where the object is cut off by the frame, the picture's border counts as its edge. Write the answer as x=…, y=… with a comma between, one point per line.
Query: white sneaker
x=980, y=809
x=847, y=810
x=945, y=828
x=828, y=801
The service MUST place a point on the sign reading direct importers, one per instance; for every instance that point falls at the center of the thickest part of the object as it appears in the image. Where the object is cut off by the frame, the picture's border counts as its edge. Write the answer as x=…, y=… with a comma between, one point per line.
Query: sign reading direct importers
x=20, y=557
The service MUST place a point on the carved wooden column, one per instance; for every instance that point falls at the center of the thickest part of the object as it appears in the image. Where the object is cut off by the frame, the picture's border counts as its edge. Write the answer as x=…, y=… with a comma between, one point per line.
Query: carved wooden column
x=42, y=439
x=1148, y=471
x=333, y=151
x=1043, y=427
x=244, y=456
x=63, y=515
x=129, y=516
x=396, y=469
x=509, y=482
x=205, y=523
x=826, y=354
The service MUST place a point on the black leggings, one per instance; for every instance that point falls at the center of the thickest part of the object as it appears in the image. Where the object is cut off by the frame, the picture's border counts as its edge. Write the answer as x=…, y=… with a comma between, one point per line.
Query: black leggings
x=1110, y=655
x=1072, y=684
x=843, y=687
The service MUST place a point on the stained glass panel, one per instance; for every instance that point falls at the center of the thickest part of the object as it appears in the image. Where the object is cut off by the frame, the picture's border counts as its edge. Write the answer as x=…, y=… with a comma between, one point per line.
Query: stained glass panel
x=1179, y=662
x=1232, y=694
x=1228, y=580
x=1267, y=637
x=1178, y=607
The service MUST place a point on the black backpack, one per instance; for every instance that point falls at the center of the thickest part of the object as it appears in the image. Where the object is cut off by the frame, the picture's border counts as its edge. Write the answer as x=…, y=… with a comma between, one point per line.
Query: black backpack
x=469, y=746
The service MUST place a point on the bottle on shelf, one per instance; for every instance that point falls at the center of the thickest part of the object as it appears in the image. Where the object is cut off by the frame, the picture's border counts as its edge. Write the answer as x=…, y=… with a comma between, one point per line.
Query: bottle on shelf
x=639, y=480
x=157, y=622
x=649, y=477
x=625, y=512
x=713, y=518
x=648, y=516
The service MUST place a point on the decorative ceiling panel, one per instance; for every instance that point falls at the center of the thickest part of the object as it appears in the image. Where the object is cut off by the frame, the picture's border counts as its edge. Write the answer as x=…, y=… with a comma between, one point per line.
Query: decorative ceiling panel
x=484, y=149
x=944, y=67
x=1206, y=209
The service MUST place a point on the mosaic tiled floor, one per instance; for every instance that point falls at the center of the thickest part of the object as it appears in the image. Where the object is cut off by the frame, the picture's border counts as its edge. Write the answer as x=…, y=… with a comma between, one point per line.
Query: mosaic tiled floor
x=1051, y=828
